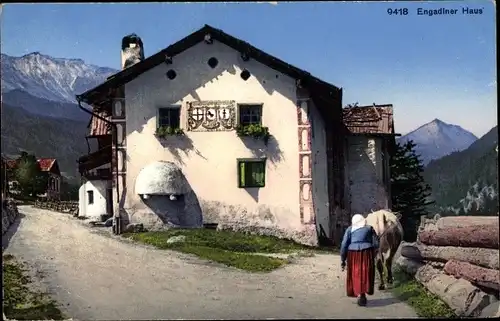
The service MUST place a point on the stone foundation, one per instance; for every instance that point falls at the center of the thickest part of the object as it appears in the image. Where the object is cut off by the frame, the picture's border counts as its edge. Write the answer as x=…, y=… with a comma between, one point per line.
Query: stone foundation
x=307, y=236
x=263, y=220
x=9, y=214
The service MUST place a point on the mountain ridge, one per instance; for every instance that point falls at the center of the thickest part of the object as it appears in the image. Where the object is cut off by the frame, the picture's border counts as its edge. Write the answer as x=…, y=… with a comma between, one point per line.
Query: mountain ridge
x=54, y=79
x=437, y=139
x=63, y=139
x=466, y=182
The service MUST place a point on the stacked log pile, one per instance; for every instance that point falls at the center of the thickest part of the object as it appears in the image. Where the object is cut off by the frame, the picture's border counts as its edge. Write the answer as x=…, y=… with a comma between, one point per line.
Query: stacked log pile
x=457, y=259
x=69, y=207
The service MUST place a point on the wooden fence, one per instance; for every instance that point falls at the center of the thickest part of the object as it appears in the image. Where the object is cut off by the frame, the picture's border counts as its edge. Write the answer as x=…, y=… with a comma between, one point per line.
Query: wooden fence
x=58, y=206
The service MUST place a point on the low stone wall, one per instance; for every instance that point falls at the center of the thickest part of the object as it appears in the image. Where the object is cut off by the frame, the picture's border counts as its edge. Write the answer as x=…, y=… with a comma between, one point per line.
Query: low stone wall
x=69, y=207
x=457, y=259
x=9, y=214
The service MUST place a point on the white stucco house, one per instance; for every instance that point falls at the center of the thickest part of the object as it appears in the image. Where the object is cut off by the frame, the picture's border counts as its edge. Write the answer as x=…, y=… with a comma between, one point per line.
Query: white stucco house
x=214, y=130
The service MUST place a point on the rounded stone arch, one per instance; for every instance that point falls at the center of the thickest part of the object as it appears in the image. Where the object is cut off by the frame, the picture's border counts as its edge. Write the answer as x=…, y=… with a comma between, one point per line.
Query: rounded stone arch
x=168, y=198
x=161, y=178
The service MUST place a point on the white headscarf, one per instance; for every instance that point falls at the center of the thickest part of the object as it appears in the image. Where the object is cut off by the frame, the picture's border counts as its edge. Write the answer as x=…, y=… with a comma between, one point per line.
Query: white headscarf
x=357, y=222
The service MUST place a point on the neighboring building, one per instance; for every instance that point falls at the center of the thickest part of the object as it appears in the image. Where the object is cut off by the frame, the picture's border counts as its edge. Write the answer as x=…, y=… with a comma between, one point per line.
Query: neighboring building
x=95, y=194
x=172, y=148
x=370, y=142
x=54, y=177
x=48, y=165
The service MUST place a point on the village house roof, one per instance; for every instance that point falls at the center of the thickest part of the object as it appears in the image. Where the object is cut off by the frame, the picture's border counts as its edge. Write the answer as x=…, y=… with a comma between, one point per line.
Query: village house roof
x=102, y=92
x=46, y=164
x=372, y=120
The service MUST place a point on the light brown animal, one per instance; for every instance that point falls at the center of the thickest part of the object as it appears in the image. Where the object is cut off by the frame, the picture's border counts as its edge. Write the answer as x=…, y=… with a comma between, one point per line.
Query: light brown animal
x=390, y=232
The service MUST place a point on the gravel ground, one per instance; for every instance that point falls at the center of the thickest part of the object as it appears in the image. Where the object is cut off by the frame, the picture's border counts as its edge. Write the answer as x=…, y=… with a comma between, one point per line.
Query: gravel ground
x=94, y=276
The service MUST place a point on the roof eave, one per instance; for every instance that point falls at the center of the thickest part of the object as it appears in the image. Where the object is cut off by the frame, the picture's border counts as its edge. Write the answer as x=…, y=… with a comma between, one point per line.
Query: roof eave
x=128, y=74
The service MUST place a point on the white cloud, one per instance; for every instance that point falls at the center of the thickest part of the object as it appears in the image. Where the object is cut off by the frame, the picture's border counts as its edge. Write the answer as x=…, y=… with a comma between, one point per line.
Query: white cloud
x=492, y=84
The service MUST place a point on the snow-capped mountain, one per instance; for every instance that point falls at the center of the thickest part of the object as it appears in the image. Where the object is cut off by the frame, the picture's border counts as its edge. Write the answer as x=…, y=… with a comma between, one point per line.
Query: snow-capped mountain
x=55, y=79
x=437, y=139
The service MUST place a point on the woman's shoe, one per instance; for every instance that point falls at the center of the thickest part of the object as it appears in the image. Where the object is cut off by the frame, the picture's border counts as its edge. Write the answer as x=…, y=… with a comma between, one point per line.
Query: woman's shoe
x=362, y=300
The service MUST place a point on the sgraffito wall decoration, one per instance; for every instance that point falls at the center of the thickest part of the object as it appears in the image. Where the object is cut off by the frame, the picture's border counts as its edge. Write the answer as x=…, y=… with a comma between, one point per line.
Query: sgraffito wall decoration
x=212, y=115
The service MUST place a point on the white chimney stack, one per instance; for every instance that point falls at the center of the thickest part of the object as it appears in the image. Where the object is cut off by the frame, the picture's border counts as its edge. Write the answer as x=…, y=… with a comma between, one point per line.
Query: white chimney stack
x=132, y=50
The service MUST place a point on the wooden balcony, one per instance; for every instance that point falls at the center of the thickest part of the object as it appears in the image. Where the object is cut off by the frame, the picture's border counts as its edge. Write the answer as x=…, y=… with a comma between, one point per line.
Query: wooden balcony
x=96, y=159
x=102, y=174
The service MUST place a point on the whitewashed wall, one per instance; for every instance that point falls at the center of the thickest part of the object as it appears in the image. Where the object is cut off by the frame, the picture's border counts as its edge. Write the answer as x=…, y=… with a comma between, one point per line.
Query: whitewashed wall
x=208, y=159
x=98, y=208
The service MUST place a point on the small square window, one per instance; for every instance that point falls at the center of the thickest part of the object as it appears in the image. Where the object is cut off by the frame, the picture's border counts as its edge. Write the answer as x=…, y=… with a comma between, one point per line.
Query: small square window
x=251, y=173
x=90, y=197
x=169, y=117
x=250, y=115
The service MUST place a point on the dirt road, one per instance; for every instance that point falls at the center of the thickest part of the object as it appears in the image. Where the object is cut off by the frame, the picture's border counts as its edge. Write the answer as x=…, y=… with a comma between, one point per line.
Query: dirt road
x=94, y=276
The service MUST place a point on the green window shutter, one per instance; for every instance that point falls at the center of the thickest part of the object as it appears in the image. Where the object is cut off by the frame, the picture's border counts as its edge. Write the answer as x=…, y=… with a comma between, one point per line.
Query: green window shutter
x=242, y=174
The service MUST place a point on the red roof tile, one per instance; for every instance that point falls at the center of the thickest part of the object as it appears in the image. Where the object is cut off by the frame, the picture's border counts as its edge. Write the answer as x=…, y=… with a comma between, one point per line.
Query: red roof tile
x=46, y=163
x=374, y=119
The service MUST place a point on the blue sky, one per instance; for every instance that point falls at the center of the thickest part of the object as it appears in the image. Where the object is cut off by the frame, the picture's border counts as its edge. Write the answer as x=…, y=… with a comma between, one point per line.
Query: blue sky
x=428, y=67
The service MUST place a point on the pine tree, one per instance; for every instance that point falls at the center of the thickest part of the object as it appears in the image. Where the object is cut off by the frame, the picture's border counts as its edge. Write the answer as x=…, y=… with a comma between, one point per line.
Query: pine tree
x=410, y=194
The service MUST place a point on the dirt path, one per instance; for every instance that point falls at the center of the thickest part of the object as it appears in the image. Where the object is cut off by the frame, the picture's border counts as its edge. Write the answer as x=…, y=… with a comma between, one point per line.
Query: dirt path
x=94, y=277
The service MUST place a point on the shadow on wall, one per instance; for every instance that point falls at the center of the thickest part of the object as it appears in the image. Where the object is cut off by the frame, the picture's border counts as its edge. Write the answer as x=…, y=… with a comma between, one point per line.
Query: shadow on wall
x=167, y=198
x=183, y=212
x=180, y=146
x=189, y=80
x=253, y=192
x=271, y=151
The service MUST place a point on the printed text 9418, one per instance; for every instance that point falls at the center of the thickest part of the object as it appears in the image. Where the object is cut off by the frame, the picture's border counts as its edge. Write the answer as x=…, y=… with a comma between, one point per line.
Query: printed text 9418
x=397, y=12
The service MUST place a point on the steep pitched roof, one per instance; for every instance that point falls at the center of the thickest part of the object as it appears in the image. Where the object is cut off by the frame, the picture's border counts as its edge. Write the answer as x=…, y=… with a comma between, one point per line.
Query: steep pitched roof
x=307, y=80
x=46, y=163
x=374, y=119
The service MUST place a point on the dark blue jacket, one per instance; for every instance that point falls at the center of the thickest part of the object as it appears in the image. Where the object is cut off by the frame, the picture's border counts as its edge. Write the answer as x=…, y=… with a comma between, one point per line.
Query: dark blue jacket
x=361, y=239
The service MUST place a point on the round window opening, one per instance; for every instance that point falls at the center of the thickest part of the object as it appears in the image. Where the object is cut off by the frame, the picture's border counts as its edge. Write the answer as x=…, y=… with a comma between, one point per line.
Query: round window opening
x=213, y=62
x=245, y=74
x=171, y=74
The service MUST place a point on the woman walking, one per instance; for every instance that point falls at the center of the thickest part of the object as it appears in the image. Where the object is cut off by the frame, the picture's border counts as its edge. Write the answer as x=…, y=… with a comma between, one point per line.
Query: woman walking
x=358, y=248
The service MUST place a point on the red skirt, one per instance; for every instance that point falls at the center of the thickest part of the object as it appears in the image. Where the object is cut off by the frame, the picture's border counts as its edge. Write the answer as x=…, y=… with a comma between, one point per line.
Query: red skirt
x=360, y=272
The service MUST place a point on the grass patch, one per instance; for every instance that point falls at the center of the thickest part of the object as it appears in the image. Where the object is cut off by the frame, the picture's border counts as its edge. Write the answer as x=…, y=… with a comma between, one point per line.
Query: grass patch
x=19, y=301
x=426, y=304
x=230, y=248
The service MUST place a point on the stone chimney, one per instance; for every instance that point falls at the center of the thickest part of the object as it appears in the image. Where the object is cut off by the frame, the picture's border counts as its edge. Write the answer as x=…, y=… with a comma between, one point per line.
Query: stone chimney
x=132, y=50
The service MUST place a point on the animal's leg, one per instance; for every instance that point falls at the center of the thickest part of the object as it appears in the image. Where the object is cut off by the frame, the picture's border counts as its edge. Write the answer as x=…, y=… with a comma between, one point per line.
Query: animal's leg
x=380, y=269
x=388, y=265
